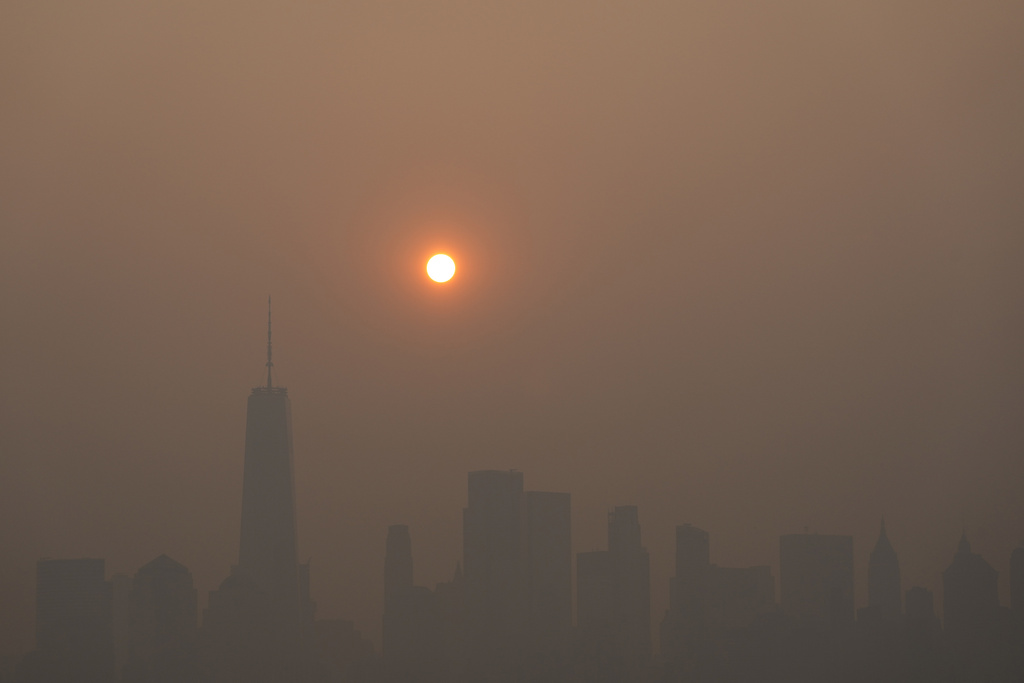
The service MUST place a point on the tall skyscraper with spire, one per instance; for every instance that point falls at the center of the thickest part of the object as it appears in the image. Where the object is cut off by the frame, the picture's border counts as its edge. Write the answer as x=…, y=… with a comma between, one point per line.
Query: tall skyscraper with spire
x=268, y=551
x=259, y=621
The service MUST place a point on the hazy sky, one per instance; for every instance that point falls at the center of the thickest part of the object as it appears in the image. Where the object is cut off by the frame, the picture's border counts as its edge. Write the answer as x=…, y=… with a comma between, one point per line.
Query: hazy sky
x=753, y=266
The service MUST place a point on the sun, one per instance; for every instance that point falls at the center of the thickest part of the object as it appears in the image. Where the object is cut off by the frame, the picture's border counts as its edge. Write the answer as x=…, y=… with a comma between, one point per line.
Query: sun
x=441, y=268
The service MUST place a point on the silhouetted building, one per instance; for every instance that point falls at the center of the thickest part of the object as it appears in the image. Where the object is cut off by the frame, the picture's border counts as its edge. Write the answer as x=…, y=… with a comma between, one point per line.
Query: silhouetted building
x=922, y=624
x=450, y=598
x=816, y=579
x=494, y=549
x=685, y=617
x=268, y=550
x=346, y=654
x=884, y=589
x=413, y=648
x=708, y=606
x=549, y=578
x=74, y=637
x=693, y=551
x=970, y=594
x=631, y=568
x=398, y=573
x=1017, y=584
x=121, y=621
x=258, y=625
x=164, y=617
x=737, y=596
x=920, y=604
x=597, y=627
x=613, y=590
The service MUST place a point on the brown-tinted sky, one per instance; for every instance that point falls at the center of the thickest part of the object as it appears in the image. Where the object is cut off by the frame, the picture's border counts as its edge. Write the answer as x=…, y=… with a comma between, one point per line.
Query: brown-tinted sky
x=754, y=266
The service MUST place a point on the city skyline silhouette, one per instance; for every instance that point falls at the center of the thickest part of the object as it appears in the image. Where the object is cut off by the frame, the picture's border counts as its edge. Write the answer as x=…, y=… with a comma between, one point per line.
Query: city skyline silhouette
x=508, y=611
x=755, y=269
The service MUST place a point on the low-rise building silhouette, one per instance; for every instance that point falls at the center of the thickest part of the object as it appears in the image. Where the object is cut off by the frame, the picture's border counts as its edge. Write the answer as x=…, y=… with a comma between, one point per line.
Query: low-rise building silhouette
x=74, y=635
x=164, y=623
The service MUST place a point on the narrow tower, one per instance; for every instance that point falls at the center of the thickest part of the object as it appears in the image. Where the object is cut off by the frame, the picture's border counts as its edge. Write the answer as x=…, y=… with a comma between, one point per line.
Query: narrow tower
x=268, y=553
x=884, y=590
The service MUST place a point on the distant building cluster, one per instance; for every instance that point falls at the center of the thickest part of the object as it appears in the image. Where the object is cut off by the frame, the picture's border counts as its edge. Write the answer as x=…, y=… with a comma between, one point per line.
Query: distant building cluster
x=506, y=616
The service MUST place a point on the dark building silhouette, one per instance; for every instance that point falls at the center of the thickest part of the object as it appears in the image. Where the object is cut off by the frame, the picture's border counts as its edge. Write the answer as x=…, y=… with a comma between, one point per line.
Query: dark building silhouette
x=74, y=636
x=549, y=578
x=494, y=554
x=450, y=600
x=597, y=627
x=816, y=579
x=259, y=622
x=884, y=589
x=737, y=596
x=920, y=604
x=1017, y=584
x=979, y=642
x=398, y=572
x=164, y=624
x=413, y=643
x=708, y=606
x=346, y=654
x=685, y=619
x=121, y=621
x=631, y=568
x=613, y=589
x=268, y=549
x=923, y=625
x=970, y=594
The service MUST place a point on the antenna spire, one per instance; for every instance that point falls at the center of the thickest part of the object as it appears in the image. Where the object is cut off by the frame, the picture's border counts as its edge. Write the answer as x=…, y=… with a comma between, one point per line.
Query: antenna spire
x=270, y=349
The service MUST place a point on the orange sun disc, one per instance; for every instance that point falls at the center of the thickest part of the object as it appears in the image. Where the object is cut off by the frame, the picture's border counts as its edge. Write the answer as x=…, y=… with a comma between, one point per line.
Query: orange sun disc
x=441, y=268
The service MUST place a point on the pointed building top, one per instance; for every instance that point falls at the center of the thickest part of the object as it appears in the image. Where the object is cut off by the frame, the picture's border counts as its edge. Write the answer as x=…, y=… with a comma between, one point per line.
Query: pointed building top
x=883, y=548
x=964, y=547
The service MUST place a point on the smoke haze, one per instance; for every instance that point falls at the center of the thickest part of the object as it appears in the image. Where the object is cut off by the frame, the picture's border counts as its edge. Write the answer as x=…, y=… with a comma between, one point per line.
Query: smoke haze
x=755, y=266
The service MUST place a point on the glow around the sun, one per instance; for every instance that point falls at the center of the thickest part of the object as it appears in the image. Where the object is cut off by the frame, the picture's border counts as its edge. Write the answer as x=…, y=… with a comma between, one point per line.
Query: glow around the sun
x=440, y=268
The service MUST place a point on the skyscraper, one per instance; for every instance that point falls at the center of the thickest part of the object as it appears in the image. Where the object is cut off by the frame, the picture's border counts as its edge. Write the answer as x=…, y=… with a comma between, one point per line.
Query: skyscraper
x=549, y=573
x=688, y=590
x=708, y=603
x=816, y=578
x=268, y=549
x=413, y=643
x=613, y=589
x=970, y=593
x=884, y=589
x=259, y=621
x=632, y=569
x=397, y=562
x=494, y=545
